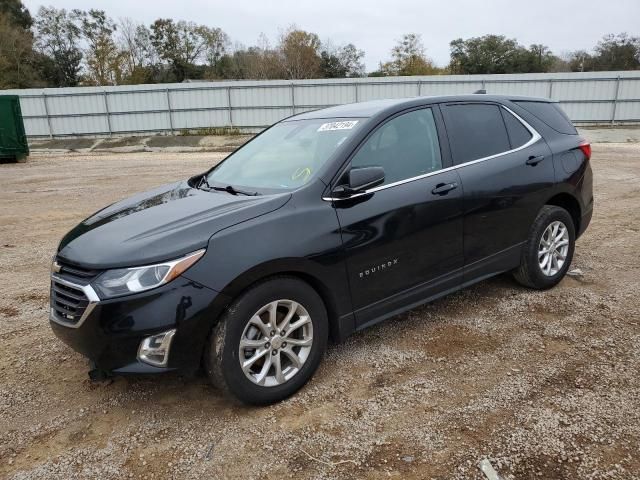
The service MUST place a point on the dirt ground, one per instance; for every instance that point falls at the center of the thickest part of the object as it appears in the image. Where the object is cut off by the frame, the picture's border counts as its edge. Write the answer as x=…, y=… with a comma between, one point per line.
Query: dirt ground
x=543, y=384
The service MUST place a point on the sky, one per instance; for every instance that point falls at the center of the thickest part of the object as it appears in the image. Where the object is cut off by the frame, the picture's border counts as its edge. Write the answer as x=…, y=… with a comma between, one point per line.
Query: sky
x=375, y=26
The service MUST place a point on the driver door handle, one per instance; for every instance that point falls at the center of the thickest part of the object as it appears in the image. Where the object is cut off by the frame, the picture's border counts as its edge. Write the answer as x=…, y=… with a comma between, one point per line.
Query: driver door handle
x=444, y=188
x=533, y=161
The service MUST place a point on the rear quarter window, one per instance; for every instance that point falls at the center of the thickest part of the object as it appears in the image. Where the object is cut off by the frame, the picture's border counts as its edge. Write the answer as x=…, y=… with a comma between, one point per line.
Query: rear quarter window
x=518, y=133
x=551, y=114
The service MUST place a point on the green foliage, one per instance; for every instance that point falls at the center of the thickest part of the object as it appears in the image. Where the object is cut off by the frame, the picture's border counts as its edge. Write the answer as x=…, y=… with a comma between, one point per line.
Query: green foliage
x=300, y=54
x=18, y=67
x=16, y=13
x=59, y=48
x=498, y=54
x=408, y=58
x=343, y=62
x=184, y=45
x=58, y=35
x=613, y=52
x=620, y=52
x=102, y=56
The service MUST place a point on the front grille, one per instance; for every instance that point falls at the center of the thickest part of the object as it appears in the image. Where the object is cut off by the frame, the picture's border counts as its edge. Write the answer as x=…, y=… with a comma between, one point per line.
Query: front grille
x=68, y=303
x=67, y=268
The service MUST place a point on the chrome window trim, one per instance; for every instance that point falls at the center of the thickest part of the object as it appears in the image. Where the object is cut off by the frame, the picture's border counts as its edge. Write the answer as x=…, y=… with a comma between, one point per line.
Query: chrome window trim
x=89, y=292
x=535, y=137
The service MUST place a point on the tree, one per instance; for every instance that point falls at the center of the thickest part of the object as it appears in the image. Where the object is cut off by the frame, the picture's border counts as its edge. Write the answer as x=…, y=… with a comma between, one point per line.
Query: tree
x=300, y=53
x=261, y=62
x=16, y=56
x=216, y=43
x=138, y=54
x=345, y=61
x=16, y=14
x=618, y=52
x=488, y=54
x=613, y=52
x=498, y=54
x=20, y=64
x=581, y=61
x=58, y=36
x=103, y=58
x=539, y=59
x=180, y=44
x=408, y=58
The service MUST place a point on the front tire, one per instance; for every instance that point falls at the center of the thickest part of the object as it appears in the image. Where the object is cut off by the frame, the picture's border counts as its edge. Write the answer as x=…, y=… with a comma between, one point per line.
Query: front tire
x=269, y=342
x=547, y=255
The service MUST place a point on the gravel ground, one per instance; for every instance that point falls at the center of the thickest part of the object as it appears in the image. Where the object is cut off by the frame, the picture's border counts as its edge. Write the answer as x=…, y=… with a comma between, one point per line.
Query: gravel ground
x=543, y=384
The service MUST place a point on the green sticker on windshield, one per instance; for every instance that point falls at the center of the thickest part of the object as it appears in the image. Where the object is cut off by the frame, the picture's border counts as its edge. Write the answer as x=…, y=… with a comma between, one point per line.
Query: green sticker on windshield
x=346, y=125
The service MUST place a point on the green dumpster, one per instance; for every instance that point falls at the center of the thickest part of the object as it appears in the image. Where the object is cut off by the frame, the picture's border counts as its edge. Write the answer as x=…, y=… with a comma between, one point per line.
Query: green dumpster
x=13, y=141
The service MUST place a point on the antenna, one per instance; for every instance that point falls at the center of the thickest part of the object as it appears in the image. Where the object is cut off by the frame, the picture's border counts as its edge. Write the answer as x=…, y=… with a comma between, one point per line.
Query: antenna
x=480, y=92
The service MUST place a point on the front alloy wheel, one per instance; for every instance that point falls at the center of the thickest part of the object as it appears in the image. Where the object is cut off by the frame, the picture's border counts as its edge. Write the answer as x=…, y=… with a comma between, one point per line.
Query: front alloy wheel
x=276, y=343
x=269, y=341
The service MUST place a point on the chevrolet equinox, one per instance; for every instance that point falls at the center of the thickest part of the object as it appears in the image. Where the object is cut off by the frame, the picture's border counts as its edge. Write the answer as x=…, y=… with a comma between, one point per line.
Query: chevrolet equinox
x=326, y=223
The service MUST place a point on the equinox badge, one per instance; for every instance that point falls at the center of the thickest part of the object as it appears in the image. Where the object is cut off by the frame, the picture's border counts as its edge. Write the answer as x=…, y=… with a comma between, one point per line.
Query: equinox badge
x=378, y=268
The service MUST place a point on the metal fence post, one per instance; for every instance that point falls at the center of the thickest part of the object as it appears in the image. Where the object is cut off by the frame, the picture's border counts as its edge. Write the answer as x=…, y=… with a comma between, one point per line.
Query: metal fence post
x=355, y=84
x=229, y=107
x=106, y=110
x=550, y=88
x=293, y=99
x=46, y=112
x=615, y=101
x=419, y=88
x=169, y=110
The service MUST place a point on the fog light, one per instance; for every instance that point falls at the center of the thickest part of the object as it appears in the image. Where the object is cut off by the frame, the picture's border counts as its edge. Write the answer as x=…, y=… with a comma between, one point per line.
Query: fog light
x=154, y=350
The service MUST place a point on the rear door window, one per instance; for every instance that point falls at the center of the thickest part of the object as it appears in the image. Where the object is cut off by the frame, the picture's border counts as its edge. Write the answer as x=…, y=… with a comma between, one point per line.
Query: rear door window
x=551, y=114
x=475, y=131
x=518, y=133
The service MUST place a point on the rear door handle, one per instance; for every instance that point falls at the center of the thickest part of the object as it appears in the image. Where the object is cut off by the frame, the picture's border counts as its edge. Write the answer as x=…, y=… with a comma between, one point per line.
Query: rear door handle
x=444, y=188
x=533, y=161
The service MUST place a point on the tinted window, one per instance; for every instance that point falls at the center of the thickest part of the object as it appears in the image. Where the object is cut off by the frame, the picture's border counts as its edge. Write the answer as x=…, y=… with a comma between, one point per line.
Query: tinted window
x=518, y=133
x=475, y=131
x=406, y=146
x=551, y=114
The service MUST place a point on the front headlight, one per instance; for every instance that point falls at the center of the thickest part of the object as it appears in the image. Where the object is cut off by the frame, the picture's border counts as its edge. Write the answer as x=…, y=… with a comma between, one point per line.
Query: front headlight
x=124, y=281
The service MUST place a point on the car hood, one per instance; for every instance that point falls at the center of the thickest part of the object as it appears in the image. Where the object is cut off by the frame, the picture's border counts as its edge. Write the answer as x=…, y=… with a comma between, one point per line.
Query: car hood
x=158, y=225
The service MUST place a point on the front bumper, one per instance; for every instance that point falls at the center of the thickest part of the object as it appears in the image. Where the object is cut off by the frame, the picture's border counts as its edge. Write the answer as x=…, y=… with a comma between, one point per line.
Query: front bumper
x=110, y=334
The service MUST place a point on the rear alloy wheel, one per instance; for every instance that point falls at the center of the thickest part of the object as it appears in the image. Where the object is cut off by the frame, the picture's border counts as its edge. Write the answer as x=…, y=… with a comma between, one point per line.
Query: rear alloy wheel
x=547, y=255
x=553, y=248
x=269, y=342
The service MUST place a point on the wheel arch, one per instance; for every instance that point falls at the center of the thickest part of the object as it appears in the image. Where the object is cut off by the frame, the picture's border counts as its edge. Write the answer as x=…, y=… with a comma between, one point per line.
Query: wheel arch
x=290, y=268
x=570, y=204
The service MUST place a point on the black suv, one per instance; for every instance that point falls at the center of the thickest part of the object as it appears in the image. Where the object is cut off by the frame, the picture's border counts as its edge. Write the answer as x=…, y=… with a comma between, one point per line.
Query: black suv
x=326, y=223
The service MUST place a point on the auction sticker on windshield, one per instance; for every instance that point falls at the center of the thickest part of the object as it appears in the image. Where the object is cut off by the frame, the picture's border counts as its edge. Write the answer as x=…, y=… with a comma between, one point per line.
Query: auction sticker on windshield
x=346, y=125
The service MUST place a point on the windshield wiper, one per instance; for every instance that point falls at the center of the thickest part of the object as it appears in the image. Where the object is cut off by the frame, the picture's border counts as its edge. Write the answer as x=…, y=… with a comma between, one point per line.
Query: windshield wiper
x=229, y=188
x=234, y=191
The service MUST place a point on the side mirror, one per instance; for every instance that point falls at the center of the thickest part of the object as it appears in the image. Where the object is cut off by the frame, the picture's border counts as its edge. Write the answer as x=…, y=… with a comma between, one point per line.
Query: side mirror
x=360, y=179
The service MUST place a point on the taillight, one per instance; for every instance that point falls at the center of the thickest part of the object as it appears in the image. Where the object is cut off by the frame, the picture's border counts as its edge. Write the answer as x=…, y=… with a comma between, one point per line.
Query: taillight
x=586, y=149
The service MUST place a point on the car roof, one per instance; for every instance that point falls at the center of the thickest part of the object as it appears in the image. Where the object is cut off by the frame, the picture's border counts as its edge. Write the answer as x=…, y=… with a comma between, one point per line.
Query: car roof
x=391, y=105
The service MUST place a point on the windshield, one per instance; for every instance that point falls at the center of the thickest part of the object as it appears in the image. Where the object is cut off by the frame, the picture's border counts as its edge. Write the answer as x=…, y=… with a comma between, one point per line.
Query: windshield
x=286, y=156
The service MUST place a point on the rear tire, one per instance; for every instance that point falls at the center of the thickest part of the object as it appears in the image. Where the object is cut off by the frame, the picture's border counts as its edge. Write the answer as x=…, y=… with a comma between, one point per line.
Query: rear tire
x=283, y=326
x=547, y=255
